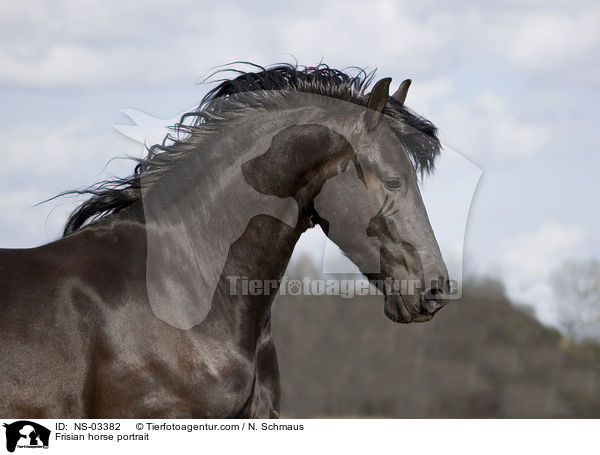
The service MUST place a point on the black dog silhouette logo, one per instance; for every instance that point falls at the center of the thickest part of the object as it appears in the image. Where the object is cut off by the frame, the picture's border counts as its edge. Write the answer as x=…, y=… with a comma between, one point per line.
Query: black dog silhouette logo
x=26, y=434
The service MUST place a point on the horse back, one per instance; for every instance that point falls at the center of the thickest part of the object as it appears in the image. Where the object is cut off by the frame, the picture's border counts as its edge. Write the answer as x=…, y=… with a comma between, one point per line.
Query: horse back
x=53, y=301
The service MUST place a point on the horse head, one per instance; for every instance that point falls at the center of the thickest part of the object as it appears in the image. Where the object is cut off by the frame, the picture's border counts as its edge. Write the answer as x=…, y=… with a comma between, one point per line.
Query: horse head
x=352, y=172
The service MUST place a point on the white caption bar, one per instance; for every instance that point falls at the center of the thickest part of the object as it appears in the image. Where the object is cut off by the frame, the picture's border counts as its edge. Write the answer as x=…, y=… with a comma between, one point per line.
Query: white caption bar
x=348, y=436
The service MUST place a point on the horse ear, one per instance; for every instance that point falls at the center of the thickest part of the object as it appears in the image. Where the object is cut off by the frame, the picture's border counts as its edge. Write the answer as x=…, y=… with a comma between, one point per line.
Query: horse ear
x=293, y=158
x=377, y=101
x=402, y=91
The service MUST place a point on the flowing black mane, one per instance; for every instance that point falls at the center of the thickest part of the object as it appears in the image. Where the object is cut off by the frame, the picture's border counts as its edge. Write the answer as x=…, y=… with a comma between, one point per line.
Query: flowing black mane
x=260, y=83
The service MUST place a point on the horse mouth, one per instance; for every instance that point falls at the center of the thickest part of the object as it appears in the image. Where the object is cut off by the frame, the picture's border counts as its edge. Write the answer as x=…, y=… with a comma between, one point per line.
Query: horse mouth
x=399, y=310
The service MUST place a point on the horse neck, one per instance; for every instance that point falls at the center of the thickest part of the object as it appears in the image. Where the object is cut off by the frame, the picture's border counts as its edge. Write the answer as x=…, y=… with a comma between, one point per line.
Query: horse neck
x=209, y=219
x=263, y=251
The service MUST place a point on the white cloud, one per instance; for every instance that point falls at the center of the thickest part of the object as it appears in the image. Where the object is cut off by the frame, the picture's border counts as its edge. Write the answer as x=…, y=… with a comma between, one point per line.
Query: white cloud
x=381, y=33
x=537, y=253
x=110, y=42
x=121, y=42
x=39, y=162
x=424, y=93
x=527, y=260
x=62, y=43
x=76, y=147
x=18, y=199
x=555, y=41
x=23, y=224
x=485, y=128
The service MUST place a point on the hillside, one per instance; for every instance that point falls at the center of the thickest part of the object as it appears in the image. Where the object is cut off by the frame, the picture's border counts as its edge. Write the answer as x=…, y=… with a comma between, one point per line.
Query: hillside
x=479, y=357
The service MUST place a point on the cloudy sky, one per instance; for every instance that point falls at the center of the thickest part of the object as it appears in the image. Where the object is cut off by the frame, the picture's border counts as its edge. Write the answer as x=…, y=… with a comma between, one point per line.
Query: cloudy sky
x=512, y=86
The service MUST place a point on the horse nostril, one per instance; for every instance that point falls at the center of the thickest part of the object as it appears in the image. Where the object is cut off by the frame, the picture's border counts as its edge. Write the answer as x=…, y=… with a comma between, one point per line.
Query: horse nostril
x=433, y=300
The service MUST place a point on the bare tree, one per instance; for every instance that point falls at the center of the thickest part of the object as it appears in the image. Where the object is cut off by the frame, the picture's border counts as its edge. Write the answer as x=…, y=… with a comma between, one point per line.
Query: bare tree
x=576, y=286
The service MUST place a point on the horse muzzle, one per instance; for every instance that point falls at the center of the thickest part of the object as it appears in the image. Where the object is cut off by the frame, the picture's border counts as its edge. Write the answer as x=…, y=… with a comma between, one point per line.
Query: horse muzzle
x=407, y=309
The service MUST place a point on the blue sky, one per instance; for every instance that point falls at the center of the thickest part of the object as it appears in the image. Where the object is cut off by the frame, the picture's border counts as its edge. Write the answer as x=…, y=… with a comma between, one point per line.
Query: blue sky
x=512, y=86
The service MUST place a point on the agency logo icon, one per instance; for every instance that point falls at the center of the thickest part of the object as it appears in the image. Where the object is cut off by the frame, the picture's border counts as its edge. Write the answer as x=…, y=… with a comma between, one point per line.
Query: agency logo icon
x=24, y=434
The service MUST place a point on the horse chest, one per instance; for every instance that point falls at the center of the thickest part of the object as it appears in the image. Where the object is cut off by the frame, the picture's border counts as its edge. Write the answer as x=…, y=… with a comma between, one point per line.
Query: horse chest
x=178, y=378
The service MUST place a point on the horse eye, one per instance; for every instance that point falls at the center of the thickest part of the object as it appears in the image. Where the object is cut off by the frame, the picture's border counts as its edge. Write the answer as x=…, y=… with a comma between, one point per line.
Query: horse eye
x=392, y=184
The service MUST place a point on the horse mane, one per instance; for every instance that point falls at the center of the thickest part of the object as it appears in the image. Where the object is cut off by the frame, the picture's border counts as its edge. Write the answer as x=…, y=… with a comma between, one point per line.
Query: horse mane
x=260, y=85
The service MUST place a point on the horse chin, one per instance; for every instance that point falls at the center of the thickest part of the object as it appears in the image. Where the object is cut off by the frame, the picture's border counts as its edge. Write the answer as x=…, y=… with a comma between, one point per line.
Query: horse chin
x=399, y=309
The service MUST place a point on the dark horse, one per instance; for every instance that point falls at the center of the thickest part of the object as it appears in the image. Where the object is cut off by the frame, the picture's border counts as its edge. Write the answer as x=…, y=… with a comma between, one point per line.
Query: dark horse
x=136, y=311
